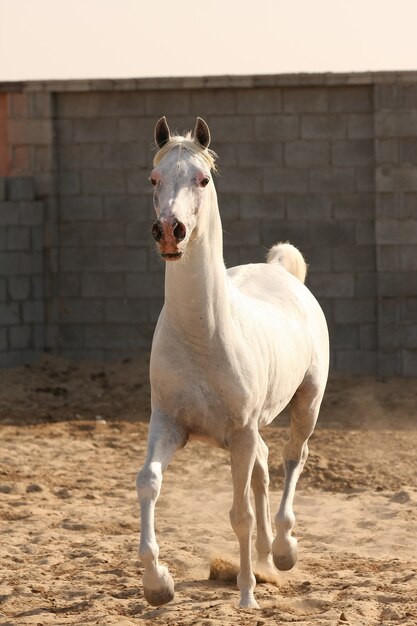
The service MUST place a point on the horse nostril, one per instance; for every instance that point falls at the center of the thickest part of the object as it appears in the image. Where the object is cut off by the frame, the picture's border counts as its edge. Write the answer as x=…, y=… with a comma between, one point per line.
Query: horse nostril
x=157, y=231
x=179, y=231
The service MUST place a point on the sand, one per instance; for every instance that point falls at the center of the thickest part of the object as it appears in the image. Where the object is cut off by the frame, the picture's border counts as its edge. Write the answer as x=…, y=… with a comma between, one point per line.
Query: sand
x=72, y=438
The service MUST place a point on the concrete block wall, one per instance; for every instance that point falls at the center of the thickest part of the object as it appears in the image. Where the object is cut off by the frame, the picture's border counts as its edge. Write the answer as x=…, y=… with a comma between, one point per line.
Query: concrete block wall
x=312, y=159
x=21, y=272
x=396, y=226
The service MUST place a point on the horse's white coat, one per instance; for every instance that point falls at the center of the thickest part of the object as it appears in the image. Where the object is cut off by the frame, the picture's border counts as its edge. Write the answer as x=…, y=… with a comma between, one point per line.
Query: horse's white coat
x=231, y=349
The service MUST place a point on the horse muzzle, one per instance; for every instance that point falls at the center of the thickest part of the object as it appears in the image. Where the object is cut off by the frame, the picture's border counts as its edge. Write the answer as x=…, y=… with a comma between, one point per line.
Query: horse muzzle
x=168, y=235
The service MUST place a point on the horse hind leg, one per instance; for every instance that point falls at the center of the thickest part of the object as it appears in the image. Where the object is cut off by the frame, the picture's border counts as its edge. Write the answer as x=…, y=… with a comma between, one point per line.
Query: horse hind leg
x=304, y=412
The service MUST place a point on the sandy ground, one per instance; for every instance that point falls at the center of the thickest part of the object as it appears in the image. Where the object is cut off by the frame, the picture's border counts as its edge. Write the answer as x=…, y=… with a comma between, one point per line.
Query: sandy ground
x=71, y=440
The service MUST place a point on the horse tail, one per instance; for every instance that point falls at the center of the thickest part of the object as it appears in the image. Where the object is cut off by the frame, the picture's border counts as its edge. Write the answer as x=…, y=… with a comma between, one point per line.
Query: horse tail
x=290, y=257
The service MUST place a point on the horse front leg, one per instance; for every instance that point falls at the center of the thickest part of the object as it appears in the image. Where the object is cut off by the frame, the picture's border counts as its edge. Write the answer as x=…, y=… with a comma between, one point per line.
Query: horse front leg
x=243, y=446
x=260, y=486
x=163, y=440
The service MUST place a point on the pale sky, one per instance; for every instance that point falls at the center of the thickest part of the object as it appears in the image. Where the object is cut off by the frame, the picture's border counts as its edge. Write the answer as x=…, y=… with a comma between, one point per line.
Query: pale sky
x=53, y=39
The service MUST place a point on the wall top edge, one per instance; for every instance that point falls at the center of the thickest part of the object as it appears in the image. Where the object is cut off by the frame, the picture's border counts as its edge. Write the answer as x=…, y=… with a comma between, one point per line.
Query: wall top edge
x=213, y=82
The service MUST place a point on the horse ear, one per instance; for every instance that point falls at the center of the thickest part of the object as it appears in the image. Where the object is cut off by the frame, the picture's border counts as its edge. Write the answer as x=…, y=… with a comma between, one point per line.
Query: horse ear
x=202, y=133
x=162, y=133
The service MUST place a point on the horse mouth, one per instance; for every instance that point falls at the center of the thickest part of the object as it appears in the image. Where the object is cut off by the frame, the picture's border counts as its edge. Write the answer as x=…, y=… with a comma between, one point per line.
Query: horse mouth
x=171, y=256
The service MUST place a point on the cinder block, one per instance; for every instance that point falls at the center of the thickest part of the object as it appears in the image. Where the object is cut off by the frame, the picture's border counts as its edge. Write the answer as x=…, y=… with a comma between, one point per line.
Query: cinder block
x=283, y=179
x=103, y=181
x=81, y=208
x=255, y=101
x=388, y=258
x=255, y=154
x=108, y=335
x=324, y=126
x=92, y=233
x=356, y=206
x=122, y=259
x=129, y=208
x=241, y=233
x=276, y=127
x=69, y=284
x=102, y=285
x=19, y=287
x=242, y=180
x=144, y=285
x=353, y=258
x=75, y=259
x=2, y=189
x=36, y=238
x=30, y=213
x=40, y=104
x=304, y=154
x=3, y=290
x=356, y=361
x=69, y=183
x=137, y=182
x=353, y=98
x=396, y=123
x=262, y=206
x=365, y=233
x=223, y=101
x=365, y=284
x=9, y=213
x=96, y=130
x=30, y=132
x=126, y=311
x=354, y=310
x=331, y=179
x=30, y=263
x=345, y=337
x=72, y=156
x=368, y=339
x=397, y=284
x=18, y=238
x=33, y=312
x=17, y=105
x=3, y=339
x=409, y=362
x=162, y=102
x=294, y=231
x=318, y=257
x=360, y=126
x=305, y=99
x=408, y=255
x=20, y=188
x=408, y=150
x=37, y=287
x=353, y=152
x=365, y=179
x=138, y=129
x=397, y=178
x=71, y=336
x=229, y=205
x=82, y=311
x=9, y=263
x=400, y=232
x=332, y=285
x=10, y=314
x=20, y=337
x=119, y=156
x=408, y=310
x=341, y=233
x=386, y=151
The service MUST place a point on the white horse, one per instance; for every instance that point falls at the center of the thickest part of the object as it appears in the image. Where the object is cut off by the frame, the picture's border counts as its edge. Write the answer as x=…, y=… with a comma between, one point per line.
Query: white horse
x=231, y=349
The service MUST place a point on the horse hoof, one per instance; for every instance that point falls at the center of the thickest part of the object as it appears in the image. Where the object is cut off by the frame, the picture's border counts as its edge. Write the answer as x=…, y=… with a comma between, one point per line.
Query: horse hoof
x=286, y=561
x=162, y=594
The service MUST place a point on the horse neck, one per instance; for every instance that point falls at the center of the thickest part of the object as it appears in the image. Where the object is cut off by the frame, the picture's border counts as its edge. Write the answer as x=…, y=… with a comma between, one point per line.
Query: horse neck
x=196, y=288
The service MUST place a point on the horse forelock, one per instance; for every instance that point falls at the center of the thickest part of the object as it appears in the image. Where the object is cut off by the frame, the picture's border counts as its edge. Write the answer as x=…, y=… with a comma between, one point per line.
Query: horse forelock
x=187, y=142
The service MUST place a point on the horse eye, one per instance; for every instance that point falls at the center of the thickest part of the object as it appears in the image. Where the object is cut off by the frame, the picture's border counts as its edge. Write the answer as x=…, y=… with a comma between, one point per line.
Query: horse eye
x=153, y=181
x=204, y=182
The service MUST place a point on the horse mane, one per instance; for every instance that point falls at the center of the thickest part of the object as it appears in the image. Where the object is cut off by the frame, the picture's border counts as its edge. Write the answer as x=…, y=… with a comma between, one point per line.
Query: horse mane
x=187, y=142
